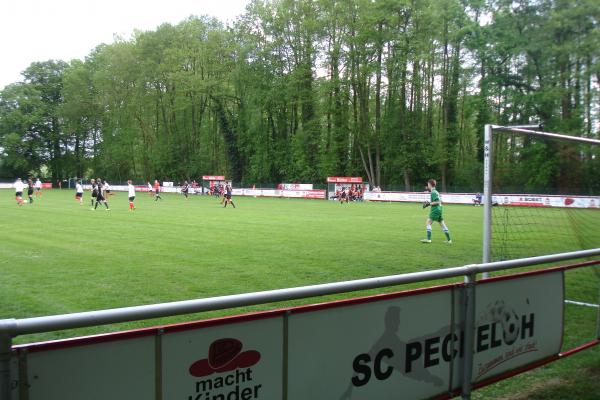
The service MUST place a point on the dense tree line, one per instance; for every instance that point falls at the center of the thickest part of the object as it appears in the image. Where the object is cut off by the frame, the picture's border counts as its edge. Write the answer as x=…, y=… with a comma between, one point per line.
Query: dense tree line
x=395, y=91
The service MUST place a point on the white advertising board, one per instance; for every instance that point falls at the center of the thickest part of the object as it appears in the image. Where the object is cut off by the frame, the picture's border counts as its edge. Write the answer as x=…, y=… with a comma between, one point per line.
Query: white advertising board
x=378, y=349
x=361, y=349
x=295, y=186
x=292, y=194
x=518, y=322
x=505, y=199
x=413, y=197
x=121, y=369
x=239, y=362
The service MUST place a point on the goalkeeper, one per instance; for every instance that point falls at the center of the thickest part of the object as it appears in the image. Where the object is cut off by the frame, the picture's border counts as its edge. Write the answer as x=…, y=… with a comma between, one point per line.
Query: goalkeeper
x=436, y=213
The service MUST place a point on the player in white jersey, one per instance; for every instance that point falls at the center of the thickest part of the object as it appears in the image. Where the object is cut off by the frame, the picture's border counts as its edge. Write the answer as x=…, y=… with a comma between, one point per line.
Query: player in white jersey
x=19, y=186
x=38, y=187
x=131, y=190
x=79, y=192
x=106, y=189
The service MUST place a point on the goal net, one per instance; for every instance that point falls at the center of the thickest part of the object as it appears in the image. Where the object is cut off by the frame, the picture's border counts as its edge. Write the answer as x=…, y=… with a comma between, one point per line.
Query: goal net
x=545, y=193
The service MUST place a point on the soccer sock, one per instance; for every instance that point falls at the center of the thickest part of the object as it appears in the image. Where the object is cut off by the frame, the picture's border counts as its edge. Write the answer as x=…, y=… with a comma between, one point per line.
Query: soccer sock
x=96, y=206
x=233, y=204
x=106, y=204
x=445, y=230
x=428, y=232
x=130, y=205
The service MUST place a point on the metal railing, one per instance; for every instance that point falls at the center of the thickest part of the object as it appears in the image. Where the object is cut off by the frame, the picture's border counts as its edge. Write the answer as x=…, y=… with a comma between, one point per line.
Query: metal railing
x=10, y=328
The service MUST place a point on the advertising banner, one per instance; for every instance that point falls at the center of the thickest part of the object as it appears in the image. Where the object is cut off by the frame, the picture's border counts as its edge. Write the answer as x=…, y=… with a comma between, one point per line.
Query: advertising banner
x=292, y=194
x=378, y=349
x=374, y=350
x=517, y=322
x=141, y=188
x=10, y=186
x=236, y=362
x=213, y=177
x=547, y=201
x=344, y=179
x=123, y=369
x=295, y=186
x=295, y=194
x=375, y=347
x=504, y=200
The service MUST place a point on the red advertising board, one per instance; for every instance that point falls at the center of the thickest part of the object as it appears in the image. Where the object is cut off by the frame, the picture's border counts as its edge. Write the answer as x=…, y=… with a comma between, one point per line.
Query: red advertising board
x=344, y=179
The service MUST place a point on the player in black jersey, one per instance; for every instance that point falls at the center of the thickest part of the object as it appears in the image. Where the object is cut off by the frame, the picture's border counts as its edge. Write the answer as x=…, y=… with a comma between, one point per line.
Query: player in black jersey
x=343, y=196
x=185, y=189
x=30, y=191
x=94, y=191
x=100, y=195
x=228, y=196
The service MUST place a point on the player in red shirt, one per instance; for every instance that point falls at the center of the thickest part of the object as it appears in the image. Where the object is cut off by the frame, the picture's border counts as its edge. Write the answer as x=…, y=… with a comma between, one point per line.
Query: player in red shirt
x=157, y=190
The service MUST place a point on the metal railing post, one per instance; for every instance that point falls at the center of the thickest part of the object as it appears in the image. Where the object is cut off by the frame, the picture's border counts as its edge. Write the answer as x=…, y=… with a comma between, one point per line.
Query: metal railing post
x=469, y=329
x=598, y=318
x=487, y=195
x=7, y=332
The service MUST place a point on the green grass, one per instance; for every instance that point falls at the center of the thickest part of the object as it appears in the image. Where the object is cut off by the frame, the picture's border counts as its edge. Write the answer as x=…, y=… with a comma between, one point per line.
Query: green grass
x=58, y=257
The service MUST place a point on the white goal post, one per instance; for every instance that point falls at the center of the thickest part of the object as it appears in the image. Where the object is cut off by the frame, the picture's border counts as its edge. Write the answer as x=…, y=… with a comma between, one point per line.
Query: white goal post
x=525, y=130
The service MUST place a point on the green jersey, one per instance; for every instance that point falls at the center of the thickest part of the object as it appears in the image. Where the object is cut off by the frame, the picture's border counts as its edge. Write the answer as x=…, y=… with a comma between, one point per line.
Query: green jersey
x=435, y=196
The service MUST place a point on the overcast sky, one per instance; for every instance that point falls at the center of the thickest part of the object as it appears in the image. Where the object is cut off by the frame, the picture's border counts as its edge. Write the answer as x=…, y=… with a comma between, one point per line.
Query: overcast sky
x=39, y=30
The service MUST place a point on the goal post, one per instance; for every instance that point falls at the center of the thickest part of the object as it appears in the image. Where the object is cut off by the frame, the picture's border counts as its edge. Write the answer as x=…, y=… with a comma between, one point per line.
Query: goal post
x=516, y=136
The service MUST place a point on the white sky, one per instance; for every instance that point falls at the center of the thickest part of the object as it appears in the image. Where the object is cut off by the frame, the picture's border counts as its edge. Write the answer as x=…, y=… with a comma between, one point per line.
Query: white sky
x=39, y=30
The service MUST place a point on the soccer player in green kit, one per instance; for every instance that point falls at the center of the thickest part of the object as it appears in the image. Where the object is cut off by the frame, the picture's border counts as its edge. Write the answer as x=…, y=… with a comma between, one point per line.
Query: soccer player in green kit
x=436, y=213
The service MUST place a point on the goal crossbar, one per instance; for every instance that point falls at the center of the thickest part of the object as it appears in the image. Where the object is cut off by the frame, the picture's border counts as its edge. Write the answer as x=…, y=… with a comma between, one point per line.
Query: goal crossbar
x=550, y=135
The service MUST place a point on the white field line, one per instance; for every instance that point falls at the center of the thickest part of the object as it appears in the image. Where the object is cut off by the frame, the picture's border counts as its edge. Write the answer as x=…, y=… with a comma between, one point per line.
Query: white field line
x=579, y=303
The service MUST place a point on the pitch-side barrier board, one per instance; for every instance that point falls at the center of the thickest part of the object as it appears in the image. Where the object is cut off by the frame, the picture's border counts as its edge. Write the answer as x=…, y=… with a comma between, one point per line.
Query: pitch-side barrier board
x=526, y=200
x=365, y=348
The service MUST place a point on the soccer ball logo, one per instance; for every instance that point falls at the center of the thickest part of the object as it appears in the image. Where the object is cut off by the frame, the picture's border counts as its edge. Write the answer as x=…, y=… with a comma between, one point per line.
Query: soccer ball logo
x=508, y=319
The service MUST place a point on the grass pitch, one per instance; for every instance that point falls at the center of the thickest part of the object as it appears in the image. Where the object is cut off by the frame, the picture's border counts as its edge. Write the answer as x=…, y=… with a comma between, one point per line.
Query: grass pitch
x=59, y=257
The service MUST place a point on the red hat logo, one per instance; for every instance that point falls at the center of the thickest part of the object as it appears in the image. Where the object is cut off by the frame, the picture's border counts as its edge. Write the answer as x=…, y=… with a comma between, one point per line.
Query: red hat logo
x=224, y=355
